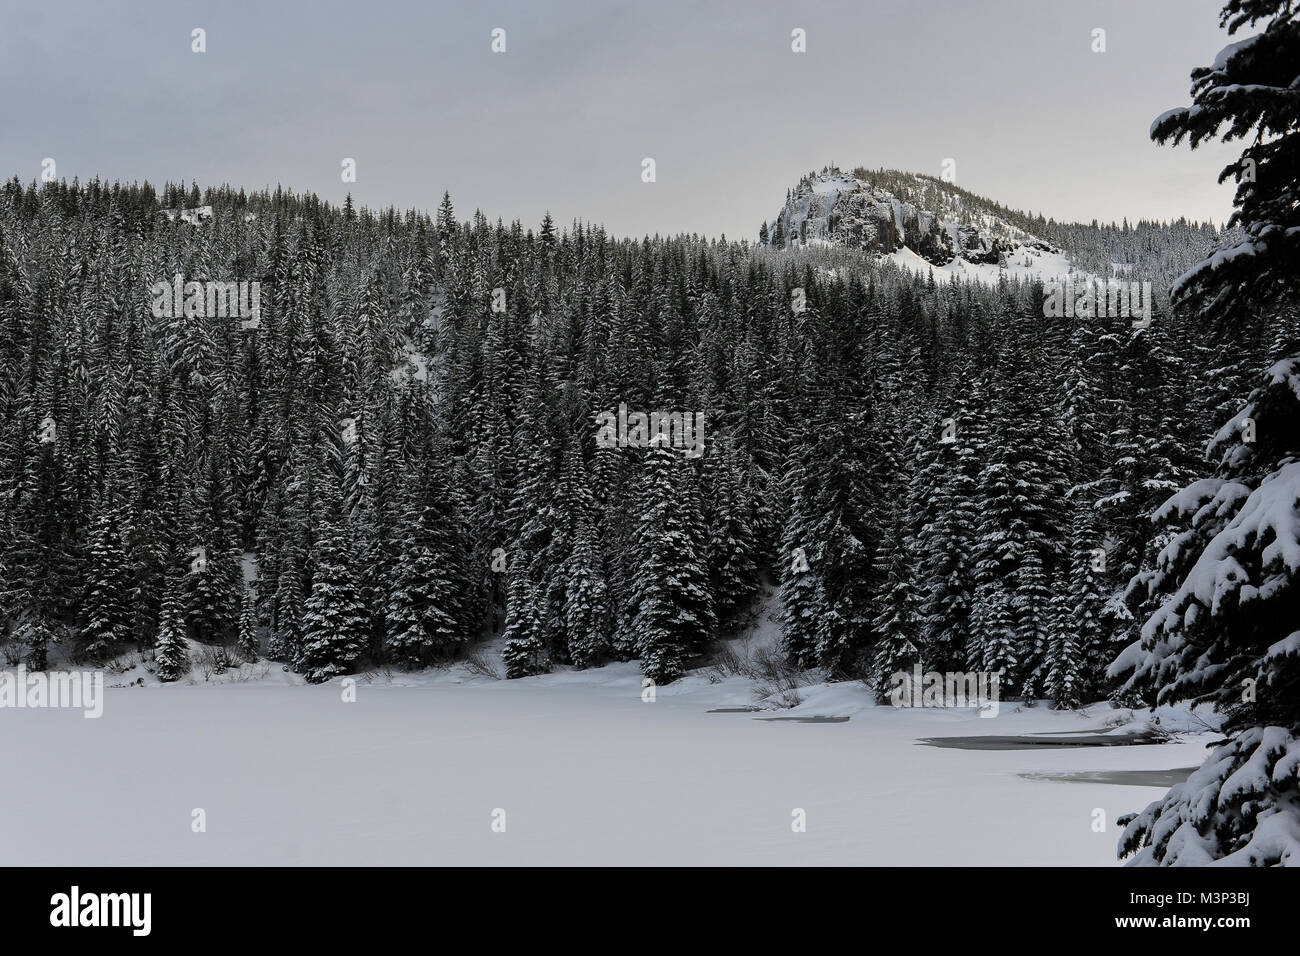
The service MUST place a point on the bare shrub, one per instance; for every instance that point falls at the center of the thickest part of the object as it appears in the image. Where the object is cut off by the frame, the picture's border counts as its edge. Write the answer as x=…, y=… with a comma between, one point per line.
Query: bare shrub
x=214, y=660
x=123, y=662
x=727, y=662
x=479, y=664
x=250, y=671
x=11, y=648
x=774, y=676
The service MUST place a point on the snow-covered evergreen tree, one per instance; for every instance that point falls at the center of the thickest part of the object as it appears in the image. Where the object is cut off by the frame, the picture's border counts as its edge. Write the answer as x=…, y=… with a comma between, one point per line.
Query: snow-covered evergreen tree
x=674, y=610
x=106, y=611
x=943, y=499
x=801, y=594
x=586, y=605
x=898, y=620
x=335, y=622
x=1225, y=629
x=731, y=535
x=171, y=651
x=1078, y=646
x=421, y=621
x=249, y=645
x=525, y=650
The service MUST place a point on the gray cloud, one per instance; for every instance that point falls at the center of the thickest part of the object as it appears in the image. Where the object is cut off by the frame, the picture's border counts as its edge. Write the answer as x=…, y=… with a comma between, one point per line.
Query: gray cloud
x=711, y=91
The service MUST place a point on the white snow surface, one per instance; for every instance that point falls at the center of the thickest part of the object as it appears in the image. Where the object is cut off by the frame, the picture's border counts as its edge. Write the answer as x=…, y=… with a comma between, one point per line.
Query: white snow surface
x=588, y=773
x=414, y=366
x=1025, y=263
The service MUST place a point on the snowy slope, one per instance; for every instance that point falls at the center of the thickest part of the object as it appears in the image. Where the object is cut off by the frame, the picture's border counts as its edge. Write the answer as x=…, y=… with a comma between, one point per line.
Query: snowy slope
x=1025, y=264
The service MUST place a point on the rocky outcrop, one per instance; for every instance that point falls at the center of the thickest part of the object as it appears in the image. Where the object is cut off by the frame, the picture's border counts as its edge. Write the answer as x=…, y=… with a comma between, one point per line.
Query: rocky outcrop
x=836, y=208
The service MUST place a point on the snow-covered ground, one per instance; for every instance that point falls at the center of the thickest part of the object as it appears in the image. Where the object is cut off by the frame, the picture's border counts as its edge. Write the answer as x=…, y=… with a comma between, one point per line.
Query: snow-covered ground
x=1027, y=263
x=585, y=770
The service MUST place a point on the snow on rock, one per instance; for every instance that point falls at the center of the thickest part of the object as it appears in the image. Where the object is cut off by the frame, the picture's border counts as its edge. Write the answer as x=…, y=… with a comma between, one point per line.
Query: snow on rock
x=194, y=217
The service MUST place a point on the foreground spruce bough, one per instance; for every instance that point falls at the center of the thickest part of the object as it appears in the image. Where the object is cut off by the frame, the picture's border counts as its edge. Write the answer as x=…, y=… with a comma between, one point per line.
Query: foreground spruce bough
x=1227, y=628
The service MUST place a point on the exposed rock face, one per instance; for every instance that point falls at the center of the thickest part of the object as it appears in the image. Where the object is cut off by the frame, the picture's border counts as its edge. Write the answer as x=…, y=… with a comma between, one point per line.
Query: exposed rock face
x=838, y=208
x=193, y=216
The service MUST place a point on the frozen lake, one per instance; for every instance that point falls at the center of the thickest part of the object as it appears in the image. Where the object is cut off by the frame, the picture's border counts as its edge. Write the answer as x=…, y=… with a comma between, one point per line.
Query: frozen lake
x=586, y=772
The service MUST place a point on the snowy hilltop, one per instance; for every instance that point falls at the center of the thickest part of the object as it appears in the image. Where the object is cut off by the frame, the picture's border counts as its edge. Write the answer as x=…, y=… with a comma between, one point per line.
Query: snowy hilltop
x=913, y=219
x=926, y=225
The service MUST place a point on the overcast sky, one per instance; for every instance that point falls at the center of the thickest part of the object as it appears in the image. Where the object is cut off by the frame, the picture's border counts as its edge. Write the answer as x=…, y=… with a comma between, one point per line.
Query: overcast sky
x=1010, y=89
